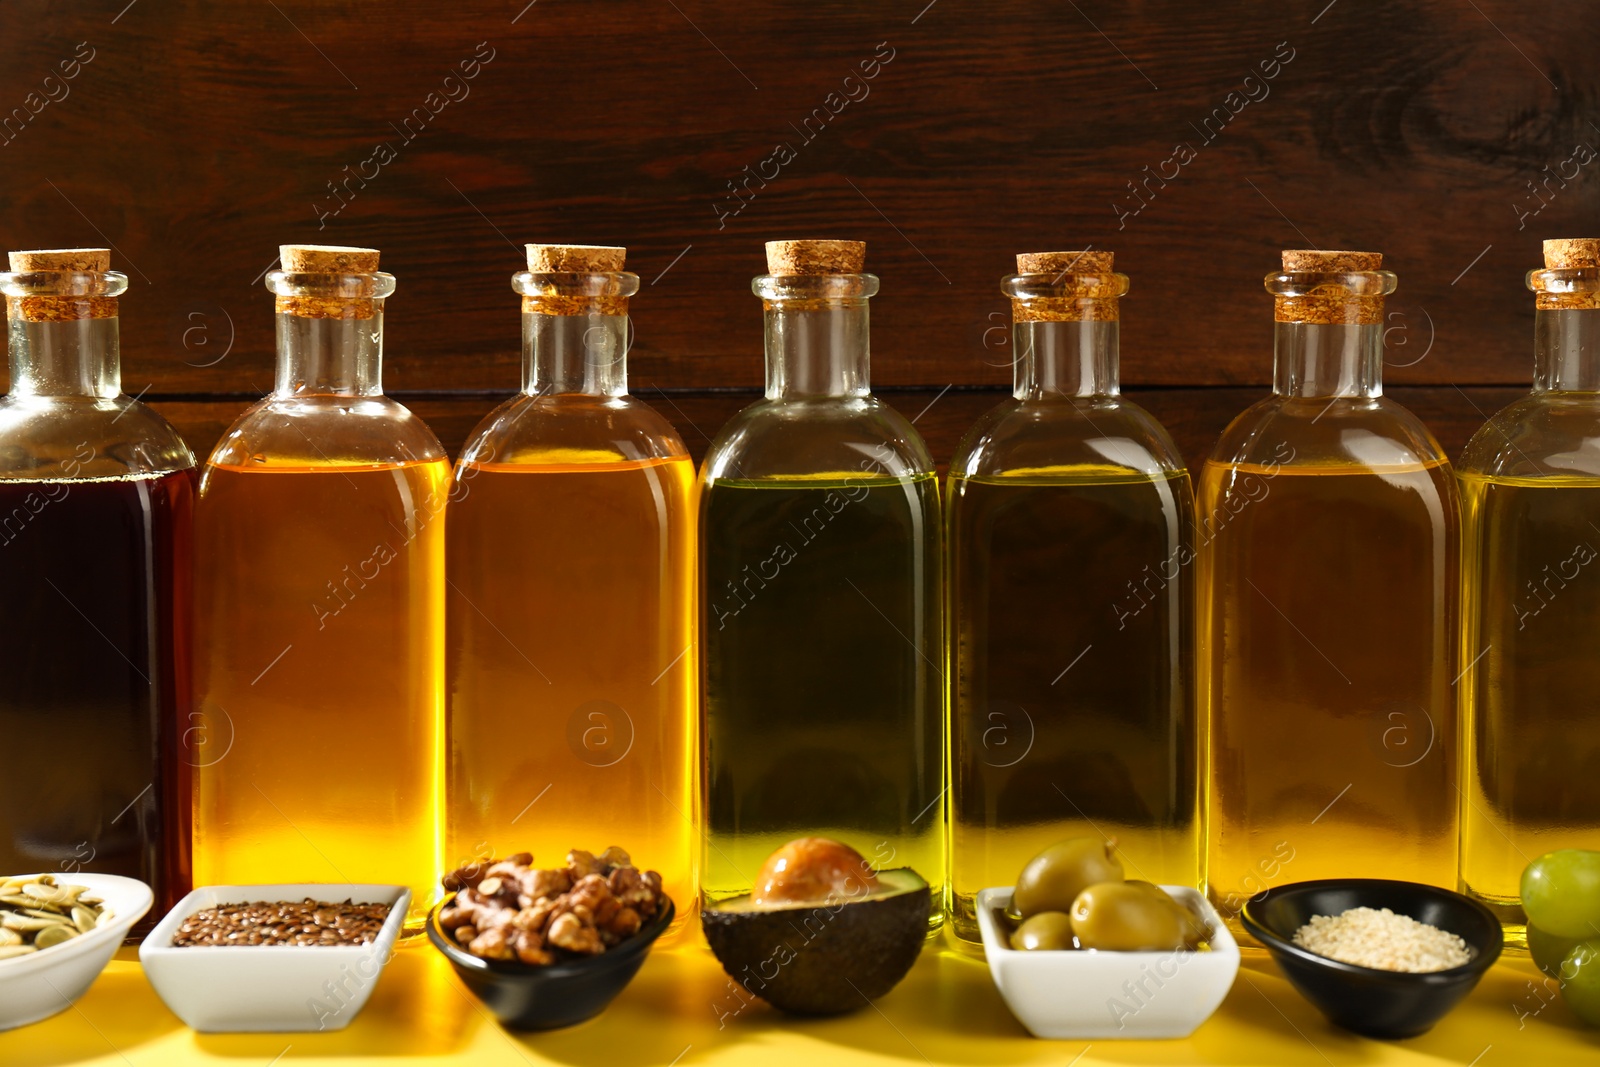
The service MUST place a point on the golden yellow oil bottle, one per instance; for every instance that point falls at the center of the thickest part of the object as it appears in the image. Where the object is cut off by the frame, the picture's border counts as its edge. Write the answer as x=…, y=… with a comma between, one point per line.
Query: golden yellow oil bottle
x=1328, y=588
x=1070, y=583
x=1530, y=694
x=319, y=622
x=570, y=658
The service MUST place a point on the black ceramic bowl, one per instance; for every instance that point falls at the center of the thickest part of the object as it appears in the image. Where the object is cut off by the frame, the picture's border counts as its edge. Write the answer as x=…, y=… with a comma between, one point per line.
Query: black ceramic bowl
x=1383, y=1004
x=523, y=997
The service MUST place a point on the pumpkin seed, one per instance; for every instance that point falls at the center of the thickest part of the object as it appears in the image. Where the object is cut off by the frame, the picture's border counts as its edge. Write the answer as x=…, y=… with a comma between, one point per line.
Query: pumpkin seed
x=37, y=911
x=52, y=916
x=54, y=936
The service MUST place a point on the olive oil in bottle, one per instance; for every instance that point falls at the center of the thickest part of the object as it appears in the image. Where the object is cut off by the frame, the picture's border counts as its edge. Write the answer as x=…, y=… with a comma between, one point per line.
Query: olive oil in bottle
x=821, y=632
x=1329, y=538
x=1530, y=695
x=1070, y=584
x=570, y=659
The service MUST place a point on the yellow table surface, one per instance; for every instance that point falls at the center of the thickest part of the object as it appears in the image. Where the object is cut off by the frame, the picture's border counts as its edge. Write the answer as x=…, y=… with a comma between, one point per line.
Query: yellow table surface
x=945, y=1012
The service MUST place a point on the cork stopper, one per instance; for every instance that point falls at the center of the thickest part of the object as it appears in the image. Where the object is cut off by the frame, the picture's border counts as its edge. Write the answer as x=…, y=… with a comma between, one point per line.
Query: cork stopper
x=1329, y=304
x=1081, y=287
x=575, y=259
x=1064, y=262
x=50, y=308
x=94, y=260
x=327, y=259
x=1566, y=253
x=816, y=257
x=1319, y=261
x=584, y=295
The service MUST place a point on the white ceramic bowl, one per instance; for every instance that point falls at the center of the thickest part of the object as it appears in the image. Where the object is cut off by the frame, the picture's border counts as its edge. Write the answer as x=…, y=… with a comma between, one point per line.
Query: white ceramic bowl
x=38, y=985
x=270, y=988
x=1099, y=995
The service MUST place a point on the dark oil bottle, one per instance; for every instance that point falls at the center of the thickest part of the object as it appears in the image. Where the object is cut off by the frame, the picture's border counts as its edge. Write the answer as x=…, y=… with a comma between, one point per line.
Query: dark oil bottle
x=96, y=492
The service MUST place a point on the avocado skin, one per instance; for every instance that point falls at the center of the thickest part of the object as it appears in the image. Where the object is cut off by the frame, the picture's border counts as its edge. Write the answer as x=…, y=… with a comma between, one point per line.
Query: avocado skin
x=823, y=960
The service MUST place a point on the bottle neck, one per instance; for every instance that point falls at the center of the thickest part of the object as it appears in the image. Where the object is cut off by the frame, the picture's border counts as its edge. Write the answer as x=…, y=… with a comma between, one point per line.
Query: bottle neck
x=1064, y=359
x=817, y=349
x=1566, y=351
x=330, y=356
x=1327, y=359
x=73, y=357
x=585, y=353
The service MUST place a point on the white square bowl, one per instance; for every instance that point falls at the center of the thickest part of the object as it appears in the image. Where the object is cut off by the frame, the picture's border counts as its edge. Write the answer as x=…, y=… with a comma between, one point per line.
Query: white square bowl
x=1101, y=995
x=38, y=985
x=270, y=988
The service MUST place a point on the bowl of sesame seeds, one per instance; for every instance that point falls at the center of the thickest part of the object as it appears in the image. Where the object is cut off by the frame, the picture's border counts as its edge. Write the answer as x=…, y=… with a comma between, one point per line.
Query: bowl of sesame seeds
x=1385, y=959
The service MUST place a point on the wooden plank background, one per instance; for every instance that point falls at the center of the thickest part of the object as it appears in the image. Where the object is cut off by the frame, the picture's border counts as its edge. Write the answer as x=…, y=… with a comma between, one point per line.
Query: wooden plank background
x=196, y=136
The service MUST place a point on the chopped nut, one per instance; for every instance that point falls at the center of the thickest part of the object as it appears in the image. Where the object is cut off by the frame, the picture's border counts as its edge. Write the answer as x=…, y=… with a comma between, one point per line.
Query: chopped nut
x=582, y=863
x=505, y=909
x=491, y=945
x=569, y=932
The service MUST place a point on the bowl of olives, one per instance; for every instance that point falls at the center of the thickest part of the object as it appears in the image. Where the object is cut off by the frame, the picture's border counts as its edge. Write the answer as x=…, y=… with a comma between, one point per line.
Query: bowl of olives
x=1078, y=950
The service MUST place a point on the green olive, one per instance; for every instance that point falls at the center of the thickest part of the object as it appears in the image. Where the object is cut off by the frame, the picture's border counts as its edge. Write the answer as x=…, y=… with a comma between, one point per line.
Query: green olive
x=1046, y=930
x=1196, y=929
x=1053, y=879
x=1118, y=917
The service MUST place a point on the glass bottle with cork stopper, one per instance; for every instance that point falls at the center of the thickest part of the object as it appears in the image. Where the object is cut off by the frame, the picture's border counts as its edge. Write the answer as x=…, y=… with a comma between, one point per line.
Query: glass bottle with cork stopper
x=96, y=498
x=319, y=552
x=570, y=660
x=1328, y=595
x=1530, y=693
x=822, y=696
x=1069, y=549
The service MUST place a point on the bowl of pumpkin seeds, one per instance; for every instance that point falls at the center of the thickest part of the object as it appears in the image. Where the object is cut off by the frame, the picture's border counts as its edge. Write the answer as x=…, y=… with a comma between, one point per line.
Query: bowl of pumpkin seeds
x=57, y=933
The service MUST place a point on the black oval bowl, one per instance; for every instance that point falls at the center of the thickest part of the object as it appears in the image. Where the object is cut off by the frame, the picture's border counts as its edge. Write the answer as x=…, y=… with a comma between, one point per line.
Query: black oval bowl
x=1376, y=1003
x=525, y=997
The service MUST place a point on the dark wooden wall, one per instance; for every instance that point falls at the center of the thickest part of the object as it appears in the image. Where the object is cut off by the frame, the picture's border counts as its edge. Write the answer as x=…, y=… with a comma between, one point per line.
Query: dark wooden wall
x=196, y=136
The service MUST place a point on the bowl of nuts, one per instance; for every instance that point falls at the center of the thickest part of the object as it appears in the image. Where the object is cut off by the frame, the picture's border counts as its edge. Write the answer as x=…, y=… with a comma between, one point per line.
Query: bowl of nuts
x=57, y=933
x=547, y=948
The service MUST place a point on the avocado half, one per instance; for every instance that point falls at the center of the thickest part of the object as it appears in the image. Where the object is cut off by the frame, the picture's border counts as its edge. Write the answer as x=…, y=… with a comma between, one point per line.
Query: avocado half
x=823, y=959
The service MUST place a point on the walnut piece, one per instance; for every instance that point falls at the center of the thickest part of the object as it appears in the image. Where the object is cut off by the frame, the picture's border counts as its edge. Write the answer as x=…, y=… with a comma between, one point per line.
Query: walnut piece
x=508, y=910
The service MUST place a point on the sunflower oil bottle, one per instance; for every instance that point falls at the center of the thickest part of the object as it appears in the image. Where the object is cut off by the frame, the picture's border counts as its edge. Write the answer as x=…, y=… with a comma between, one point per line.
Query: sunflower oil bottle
x=1329, y=524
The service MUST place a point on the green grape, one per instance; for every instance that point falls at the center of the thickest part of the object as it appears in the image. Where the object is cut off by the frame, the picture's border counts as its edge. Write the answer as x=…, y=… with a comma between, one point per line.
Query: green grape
x=1561, y=893
x=1581, y=988
x=1548, y=950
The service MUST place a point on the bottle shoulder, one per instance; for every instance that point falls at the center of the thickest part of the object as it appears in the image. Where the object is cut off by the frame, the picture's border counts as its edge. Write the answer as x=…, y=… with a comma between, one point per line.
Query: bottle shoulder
x=1363, y=432
x=572, y=427
x=783, y=438
x=1540, y=435
x=86, y=437
x=1107, y=435
x=324, y=430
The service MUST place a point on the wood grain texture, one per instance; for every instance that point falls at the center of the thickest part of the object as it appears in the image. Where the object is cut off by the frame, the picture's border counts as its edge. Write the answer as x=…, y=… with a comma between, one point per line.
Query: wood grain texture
x=201, y=134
